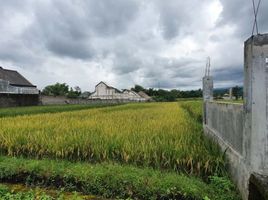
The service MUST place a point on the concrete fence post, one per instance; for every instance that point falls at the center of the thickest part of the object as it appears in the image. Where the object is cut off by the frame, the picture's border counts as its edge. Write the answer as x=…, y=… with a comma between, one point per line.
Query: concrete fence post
x=207, y=88
x=255, y=144
x=256, y=103
x=207, y=95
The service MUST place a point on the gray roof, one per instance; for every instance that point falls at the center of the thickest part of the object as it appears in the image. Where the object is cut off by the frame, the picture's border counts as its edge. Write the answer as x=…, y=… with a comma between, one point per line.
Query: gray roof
x=144, y=95
x=14, y=78
x=110, y=87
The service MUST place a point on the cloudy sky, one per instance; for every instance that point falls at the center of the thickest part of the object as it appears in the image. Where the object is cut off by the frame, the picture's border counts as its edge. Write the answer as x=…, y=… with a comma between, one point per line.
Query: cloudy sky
x=154, y=43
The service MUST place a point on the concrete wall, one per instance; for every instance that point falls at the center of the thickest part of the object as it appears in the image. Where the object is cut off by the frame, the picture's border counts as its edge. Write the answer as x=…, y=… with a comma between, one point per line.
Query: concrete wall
x=227, y=121
x=58, y=100
x=225, y=124
x=12, y=100
x=243, y=129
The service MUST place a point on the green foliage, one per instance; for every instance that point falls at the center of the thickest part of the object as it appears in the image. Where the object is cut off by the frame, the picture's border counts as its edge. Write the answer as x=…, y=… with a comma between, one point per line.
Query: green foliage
x=73, y=94
x=61, y=89
x=168, y=95
x=237, y=92
x=58, y=89
x=223, y=185
x=162, y=95
x=7, y=193
x=138, y=88
x=113, y=180
x=165, y=95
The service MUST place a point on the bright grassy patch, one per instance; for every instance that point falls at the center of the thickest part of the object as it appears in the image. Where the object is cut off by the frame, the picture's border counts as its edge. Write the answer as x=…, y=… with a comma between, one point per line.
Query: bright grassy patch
x=30, y=110
x=194, y=108
x=113, y=180
x=159, y=135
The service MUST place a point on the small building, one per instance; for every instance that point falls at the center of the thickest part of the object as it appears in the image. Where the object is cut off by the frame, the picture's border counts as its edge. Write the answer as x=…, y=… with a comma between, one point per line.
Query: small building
x=105, y=92
x=132, y=95
x=16, y=90
x=145, y=96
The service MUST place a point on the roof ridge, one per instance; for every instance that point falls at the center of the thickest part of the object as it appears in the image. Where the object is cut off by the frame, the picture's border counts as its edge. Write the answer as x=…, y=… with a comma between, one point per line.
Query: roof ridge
x=10, y=70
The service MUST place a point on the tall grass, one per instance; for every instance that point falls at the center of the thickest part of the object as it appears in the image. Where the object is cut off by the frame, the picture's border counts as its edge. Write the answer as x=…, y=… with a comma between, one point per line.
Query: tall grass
x=194, y=108
x=31, y=110
x=160, y=135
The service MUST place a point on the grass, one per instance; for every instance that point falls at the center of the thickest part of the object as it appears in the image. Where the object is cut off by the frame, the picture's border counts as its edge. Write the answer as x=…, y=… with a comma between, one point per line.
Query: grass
x=31, y=110
x=159, y=135
x=194, y=108
x=131, y=151
x=23, y=192
x=11, y=193
x=113, y=180
x=6, y=194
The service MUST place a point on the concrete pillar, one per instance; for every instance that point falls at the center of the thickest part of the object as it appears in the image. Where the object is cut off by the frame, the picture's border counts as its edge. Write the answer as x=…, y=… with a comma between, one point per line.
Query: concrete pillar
x=231, y=93
x=207, y=95
x=207, y=88
x=256, y=104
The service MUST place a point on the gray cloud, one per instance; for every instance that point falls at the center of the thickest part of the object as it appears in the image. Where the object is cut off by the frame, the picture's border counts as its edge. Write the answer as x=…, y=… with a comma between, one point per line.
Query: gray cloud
x=123, y=42
x=176, y=16
x=240, y=14
x=234, y=74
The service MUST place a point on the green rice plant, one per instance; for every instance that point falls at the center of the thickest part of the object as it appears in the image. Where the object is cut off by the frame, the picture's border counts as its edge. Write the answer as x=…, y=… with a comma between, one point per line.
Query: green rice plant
x=194, y=108
x=30, y=110
x=159, y=135
x=111, y=180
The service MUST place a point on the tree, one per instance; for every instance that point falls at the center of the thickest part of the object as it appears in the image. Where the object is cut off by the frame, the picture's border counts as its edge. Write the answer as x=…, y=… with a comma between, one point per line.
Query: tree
x=73, y=93
x=58, y=89
x=138, y=88
x=77, y=89
x=236, y=92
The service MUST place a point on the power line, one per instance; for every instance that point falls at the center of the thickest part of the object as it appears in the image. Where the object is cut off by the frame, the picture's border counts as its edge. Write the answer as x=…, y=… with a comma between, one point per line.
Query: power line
x=255, y=10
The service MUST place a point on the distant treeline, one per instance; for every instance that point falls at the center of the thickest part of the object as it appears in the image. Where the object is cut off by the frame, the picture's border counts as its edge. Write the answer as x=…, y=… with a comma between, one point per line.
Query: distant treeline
x=220, y=92
x=168, y=95
x=62, y=89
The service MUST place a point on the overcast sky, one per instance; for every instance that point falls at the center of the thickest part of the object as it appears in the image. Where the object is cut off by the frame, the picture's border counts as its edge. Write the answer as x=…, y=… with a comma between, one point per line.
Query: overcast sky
x=125, y=42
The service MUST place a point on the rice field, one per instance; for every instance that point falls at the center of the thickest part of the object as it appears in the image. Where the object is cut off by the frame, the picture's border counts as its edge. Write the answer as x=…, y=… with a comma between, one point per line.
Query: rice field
x=194, y=108
x=159, y=135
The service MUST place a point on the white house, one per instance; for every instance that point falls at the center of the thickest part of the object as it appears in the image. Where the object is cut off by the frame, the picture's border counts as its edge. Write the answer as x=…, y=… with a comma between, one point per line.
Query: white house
x=104, y=91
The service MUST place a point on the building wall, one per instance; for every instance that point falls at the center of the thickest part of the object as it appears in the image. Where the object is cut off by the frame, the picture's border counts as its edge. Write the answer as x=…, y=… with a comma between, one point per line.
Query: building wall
x=104, y=92
x=13, y=100
x=9, y=89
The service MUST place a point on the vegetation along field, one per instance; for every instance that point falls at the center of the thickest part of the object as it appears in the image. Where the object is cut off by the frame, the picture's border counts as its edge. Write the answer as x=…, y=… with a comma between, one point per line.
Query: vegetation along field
x=135, y=151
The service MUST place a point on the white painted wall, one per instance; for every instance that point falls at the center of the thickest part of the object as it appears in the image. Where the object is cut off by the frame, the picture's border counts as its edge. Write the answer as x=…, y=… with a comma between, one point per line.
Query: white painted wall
x=104, y=92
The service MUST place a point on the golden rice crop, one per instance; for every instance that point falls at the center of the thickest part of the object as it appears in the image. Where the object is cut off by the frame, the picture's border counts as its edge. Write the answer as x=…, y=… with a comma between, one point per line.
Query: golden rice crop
x=160, y=135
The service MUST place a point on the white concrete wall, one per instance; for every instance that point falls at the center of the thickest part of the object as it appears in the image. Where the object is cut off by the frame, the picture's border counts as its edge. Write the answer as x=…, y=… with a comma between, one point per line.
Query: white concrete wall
x=227, y=121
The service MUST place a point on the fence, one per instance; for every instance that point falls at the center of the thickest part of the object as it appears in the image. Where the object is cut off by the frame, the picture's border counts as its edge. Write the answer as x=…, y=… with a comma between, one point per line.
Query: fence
x=59, y=100
x=242, y=130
